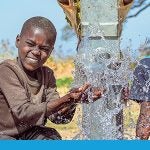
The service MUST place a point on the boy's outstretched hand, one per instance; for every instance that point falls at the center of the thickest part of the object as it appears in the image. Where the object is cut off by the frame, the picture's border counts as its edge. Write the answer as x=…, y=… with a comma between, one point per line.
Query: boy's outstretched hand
x=80, y=95
x=97, y=93
x=76, y=93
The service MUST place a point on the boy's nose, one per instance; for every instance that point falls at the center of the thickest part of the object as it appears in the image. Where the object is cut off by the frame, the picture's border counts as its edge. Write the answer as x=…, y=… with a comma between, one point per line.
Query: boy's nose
x=36, y=51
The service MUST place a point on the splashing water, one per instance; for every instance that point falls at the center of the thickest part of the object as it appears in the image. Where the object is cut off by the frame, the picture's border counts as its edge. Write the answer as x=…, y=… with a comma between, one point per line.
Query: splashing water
x=103, y=67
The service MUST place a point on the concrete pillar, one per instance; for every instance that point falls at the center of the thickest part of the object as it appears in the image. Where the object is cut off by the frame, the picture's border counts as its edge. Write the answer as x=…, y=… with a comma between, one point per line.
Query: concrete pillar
x=99, y=23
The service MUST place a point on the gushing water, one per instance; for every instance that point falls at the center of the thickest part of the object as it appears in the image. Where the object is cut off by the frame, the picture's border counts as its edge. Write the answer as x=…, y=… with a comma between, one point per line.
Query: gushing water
x=106, y=67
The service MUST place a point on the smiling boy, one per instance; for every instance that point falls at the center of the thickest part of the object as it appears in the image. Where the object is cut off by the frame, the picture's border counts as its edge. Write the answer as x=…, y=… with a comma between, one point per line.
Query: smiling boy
x=28, y=95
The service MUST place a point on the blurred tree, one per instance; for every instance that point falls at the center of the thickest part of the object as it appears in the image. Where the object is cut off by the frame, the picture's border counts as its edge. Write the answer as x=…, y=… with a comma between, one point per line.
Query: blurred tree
x=6, y=51
x=138, y=7
x=67, y=33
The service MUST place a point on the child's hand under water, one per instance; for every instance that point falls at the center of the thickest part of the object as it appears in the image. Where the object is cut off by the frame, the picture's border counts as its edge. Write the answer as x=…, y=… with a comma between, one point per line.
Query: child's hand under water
x=80, y=95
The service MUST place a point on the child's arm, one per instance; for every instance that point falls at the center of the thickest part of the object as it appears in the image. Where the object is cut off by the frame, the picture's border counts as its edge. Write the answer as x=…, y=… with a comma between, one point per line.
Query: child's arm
x=21, y=106
x=143, y=124
x=64, y=115
x=140, y=93
x=65, y=112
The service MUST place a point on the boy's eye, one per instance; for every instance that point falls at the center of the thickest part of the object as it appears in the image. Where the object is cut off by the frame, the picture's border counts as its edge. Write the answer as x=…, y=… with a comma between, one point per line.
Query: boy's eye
x=44, y=49
x=30, y=44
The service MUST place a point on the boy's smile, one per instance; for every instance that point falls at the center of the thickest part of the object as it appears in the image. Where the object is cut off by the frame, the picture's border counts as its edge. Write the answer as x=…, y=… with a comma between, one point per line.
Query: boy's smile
x=34, y=47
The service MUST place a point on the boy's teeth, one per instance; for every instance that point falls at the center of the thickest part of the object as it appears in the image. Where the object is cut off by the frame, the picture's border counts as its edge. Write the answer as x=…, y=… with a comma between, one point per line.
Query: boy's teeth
x=32, y=60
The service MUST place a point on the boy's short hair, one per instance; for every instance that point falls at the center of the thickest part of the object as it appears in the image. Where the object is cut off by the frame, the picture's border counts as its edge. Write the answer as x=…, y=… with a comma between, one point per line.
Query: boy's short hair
x=42, y=23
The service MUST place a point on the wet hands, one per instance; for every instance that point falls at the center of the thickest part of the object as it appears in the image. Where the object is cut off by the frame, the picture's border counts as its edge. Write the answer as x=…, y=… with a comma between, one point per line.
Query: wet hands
x=76, y=93
x=80, y=95
x=97, y=93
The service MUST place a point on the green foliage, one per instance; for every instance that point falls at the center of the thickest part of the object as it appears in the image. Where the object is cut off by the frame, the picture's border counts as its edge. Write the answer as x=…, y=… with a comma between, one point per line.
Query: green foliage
x=64, y=82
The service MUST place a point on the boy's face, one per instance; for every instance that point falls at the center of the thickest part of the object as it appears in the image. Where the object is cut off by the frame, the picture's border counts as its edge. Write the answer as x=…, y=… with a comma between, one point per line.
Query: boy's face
x=34, y=47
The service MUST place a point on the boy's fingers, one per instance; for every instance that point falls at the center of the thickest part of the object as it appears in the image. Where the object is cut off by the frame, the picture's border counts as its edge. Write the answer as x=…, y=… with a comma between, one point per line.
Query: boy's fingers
x=84, y=87
x=74, y=90
x=97, y=93
x=63, y=110
x=95, y=97
x=97, y=90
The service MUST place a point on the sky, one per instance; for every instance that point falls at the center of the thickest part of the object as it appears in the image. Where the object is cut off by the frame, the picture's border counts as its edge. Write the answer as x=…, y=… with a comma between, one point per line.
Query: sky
x=13, y=13
x=137, y=29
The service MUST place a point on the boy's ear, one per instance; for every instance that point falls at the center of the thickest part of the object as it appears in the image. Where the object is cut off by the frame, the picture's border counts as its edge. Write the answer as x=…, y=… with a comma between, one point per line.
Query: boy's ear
x=17, y=40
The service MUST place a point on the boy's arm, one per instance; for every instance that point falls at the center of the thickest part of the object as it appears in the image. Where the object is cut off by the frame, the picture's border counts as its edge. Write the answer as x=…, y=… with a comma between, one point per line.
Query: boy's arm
x=66, y=112
x=64, y=115
x=140, y=93
x=77, y=95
